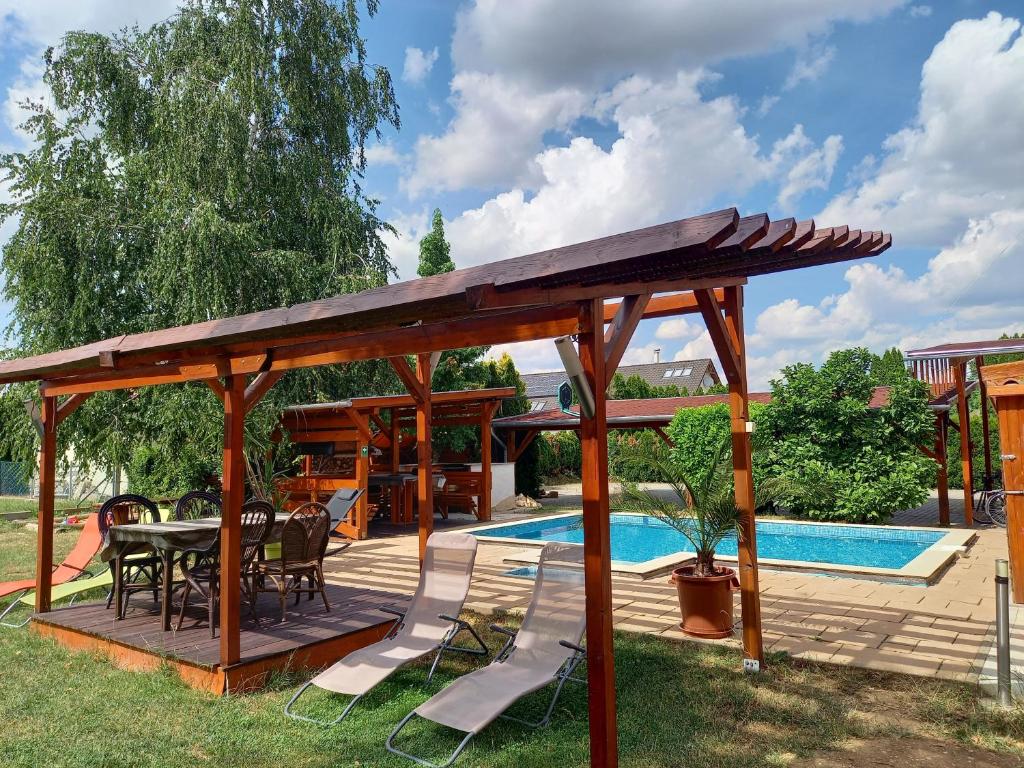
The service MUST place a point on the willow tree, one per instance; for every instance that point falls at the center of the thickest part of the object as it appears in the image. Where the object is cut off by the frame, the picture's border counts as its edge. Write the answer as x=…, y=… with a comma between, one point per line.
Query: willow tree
x=207, y=166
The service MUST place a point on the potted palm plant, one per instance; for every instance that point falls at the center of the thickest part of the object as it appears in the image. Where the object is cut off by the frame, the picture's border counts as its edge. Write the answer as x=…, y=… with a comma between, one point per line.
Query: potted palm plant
x=703, y=509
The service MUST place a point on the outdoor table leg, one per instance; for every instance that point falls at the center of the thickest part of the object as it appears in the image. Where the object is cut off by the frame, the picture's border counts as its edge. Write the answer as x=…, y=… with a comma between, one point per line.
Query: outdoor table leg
x=395, y=494
x=165, y=589
x=118, y=591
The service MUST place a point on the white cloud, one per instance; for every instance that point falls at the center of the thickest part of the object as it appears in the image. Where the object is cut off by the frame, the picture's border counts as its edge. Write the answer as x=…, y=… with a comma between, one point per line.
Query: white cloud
x=766, y=104
x=418, y=64
x=528, y=68
x=676, y=328
x=27, y=86
x=384, y=154
x=676, y=153
x=530, y=356
x=810, y=66
x=43, y=23
x=552, y=43
x=920, y=11
x=961, y=157
x=498, y=127
x=813, y=170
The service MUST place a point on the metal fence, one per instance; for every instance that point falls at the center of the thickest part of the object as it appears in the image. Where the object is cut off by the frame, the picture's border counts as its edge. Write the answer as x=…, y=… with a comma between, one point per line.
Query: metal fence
x=14, y=479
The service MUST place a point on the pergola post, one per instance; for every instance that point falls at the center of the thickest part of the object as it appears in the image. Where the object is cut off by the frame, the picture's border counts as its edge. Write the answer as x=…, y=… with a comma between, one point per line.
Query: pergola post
x=597, y=544
x=47, y=479
x=941, y=435
x=966, y=460
x=986, y=434
x=742, y=463
x=484, y=511
x=424, y=454
x=231, y=519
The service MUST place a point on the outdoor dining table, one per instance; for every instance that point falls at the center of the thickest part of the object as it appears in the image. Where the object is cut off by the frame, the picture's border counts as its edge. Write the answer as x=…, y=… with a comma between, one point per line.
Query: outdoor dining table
x=402, y=492
x=166, y=538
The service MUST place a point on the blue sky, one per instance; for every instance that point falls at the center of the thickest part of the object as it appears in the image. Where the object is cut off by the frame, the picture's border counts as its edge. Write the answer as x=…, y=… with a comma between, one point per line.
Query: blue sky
x=542, y=122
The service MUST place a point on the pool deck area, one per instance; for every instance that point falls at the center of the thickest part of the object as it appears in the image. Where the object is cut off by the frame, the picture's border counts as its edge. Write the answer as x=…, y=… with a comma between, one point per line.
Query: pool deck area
x=944, y=630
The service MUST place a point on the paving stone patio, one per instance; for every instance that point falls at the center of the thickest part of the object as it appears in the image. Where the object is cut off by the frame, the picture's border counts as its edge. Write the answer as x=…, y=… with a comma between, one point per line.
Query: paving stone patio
x=944, y=630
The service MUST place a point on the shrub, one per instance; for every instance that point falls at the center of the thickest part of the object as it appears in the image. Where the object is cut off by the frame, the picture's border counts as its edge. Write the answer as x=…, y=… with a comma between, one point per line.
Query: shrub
x=819, y=430
x=696, y=434
x=559, y=455
x=152, y=473
x=635, y=455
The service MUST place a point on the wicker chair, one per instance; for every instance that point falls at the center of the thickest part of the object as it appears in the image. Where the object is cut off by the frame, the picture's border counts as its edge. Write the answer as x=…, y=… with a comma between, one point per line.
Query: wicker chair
x=201, y=567
x=197, y=505
x=303, y=542
x=142, y=571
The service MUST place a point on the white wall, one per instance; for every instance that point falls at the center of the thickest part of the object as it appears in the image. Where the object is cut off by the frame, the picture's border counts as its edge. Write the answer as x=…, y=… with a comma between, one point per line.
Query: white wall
x=503, y=485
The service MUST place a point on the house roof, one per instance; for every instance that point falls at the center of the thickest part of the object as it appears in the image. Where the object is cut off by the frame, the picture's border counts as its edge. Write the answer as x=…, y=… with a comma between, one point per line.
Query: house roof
x=476, y=305
x=646, y=412
x=690, y=376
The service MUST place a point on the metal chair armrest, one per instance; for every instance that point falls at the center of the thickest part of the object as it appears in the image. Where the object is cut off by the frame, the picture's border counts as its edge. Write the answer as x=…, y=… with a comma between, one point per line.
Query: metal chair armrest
x=452, y=619
x=571, y=646
x=392, y=611
x=502, y=630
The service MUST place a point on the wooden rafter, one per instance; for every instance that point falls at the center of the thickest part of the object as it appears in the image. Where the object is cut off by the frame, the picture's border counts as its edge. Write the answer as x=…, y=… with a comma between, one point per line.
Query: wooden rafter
x=69, y=406
x=259, y=387
x=711, y=311
x=216, y=387
x=409, y=378
x=620, y=331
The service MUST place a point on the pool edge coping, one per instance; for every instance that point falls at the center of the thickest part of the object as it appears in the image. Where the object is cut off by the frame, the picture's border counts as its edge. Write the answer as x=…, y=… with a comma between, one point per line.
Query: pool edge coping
x=925, y=568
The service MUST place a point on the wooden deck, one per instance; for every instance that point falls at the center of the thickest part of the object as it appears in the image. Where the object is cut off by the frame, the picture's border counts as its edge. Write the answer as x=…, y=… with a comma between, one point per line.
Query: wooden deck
x=309, y=638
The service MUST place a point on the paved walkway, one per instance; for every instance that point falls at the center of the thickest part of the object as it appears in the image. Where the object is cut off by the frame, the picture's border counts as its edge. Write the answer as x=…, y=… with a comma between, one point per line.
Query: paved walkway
x=944, y=630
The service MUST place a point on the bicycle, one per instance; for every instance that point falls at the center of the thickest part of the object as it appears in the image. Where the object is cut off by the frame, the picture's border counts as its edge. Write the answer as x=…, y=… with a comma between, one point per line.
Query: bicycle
x=993, y=505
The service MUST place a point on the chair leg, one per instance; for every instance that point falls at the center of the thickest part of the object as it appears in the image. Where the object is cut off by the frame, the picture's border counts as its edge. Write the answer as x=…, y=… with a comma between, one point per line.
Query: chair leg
x=323, y=589
x=184, y=602
x=390, y=745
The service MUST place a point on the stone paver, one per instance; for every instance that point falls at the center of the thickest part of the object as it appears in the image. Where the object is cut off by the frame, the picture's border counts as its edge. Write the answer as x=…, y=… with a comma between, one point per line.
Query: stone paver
x=944, y=630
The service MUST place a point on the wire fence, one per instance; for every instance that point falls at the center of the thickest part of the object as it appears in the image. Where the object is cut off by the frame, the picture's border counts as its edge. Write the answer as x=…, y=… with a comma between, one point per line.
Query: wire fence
x=15, y=479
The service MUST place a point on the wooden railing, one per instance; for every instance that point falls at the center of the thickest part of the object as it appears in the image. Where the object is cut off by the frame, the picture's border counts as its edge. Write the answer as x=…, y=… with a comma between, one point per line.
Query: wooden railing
x=938, y=374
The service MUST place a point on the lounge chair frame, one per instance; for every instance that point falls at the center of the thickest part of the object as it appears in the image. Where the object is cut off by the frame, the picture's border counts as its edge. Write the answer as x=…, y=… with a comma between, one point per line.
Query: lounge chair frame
x=447, y=644
x=564, y=674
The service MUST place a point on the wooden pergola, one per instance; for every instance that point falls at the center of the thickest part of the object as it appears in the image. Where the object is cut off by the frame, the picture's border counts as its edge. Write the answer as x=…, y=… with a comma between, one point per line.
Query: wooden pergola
x=703, y=262
x=351, y=427
x=944, y=369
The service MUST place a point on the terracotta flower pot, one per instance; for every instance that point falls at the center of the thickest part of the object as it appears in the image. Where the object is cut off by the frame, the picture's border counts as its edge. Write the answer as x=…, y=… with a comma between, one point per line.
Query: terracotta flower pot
x=705, y=602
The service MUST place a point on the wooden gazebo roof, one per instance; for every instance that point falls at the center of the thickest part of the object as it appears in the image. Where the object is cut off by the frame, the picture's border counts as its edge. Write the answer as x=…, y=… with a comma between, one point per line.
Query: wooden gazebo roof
x=524, y=298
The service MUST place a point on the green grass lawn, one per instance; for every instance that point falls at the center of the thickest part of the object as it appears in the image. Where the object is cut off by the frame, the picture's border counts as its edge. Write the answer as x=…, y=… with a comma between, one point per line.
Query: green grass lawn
x=680, y=704
x=20, y=504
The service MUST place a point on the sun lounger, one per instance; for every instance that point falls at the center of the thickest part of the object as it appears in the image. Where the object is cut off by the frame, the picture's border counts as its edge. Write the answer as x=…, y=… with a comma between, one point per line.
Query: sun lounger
x=430, y=624
x=69, y=591
x=545, y=650
x=73, y=567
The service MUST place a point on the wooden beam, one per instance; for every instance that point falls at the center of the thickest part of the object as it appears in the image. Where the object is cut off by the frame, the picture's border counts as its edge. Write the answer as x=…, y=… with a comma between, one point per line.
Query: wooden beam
x=597, y=545
x=620, y=331
x=47, y=481
x=231, y=519
x=216, y=387
x=986, y=434
x=966, y=460
x=258, y=388
x=362, y=424
x=424, y=454
x=70, y=405
x=664, y=436
x=673, y=305
x=518, y=446
x=743, y=476
x=711, y=311
x=488, y=297
x=410, y=379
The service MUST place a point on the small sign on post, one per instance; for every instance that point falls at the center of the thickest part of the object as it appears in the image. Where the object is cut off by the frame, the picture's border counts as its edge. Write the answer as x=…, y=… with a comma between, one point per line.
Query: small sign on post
x=565, y=397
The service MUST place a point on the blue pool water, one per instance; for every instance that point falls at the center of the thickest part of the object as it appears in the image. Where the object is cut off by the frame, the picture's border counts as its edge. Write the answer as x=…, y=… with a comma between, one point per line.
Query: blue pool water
x=636, y=539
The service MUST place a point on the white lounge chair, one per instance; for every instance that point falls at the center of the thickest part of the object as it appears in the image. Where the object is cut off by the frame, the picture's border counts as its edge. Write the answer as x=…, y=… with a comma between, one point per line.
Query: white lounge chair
x=545, y=650
x=430, y=624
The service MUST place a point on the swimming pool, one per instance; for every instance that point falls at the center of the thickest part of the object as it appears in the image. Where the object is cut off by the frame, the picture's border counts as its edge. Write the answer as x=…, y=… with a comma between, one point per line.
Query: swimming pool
x=643, y=545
